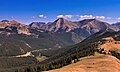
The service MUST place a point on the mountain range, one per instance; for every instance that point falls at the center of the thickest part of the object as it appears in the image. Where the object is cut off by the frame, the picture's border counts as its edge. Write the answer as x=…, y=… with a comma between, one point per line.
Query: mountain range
x=48, y=44
x=82, y=28
x=57, y=34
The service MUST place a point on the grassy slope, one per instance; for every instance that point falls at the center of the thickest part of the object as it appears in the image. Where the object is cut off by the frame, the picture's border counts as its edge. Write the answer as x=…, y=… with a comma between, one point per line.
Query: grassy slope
x=92, y=39
x=99, y=63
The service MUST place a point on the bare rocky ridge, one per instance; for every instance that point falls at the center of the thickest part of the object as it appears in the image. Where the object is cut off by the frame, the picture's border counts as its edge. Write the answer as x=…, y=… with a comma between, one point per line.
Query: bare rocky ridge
x=61, y=25
x=38, y=25
x=88, y=27
x=14, y=26
x=83, y=28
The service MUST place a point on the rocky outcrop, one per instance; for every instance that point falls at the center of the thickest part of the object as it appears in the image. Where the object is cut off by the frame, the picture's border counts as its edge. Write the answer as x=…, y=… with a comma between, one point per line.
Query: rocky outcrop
x=61, y=25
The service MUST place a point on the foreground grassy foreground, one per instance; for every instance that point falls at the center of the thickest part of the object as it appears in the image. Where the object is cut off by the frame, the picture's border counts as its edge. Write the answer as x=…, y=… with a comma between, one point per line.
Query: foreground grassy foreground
x=97, y=63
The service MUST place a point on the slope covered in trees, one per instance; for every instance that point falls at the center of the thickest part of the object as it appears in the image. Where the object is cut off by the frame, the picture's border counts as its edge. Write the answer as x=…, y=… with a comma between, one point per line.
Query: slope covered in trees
x=73, y=54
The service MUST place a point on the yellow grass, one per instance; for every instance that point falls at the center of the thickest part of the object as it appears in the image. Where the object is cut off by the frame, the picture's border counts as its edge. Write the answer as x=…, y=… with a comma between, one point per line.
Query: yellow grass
x=99, y=63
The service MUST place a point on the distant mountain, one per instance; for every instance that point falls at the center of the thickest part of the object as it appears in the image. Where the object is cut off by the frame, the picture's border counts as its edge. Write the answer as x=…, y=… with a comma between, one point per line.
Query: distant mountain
x=117, y=25
x=61, y=25
x=14, y=27
x=38, y=25
x=88, y=27
x=82, y=28
x=77, y=30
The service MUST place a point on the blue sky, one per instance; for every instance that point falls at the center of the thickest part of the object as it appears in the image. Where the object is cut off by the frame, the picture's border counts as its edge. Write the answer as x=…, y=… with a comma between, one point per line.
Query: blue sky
x=27, y=11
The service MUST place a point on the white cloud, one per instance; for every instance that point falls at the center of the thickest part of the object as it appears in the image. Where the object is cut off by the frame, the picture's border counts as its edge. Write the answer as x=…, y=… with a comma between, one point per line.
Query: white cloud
x=82, y=17
x=68, y=16
x=60, y=16
x=100, y=17
x=65, y=16
x=42, y=16
x=118, y=18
